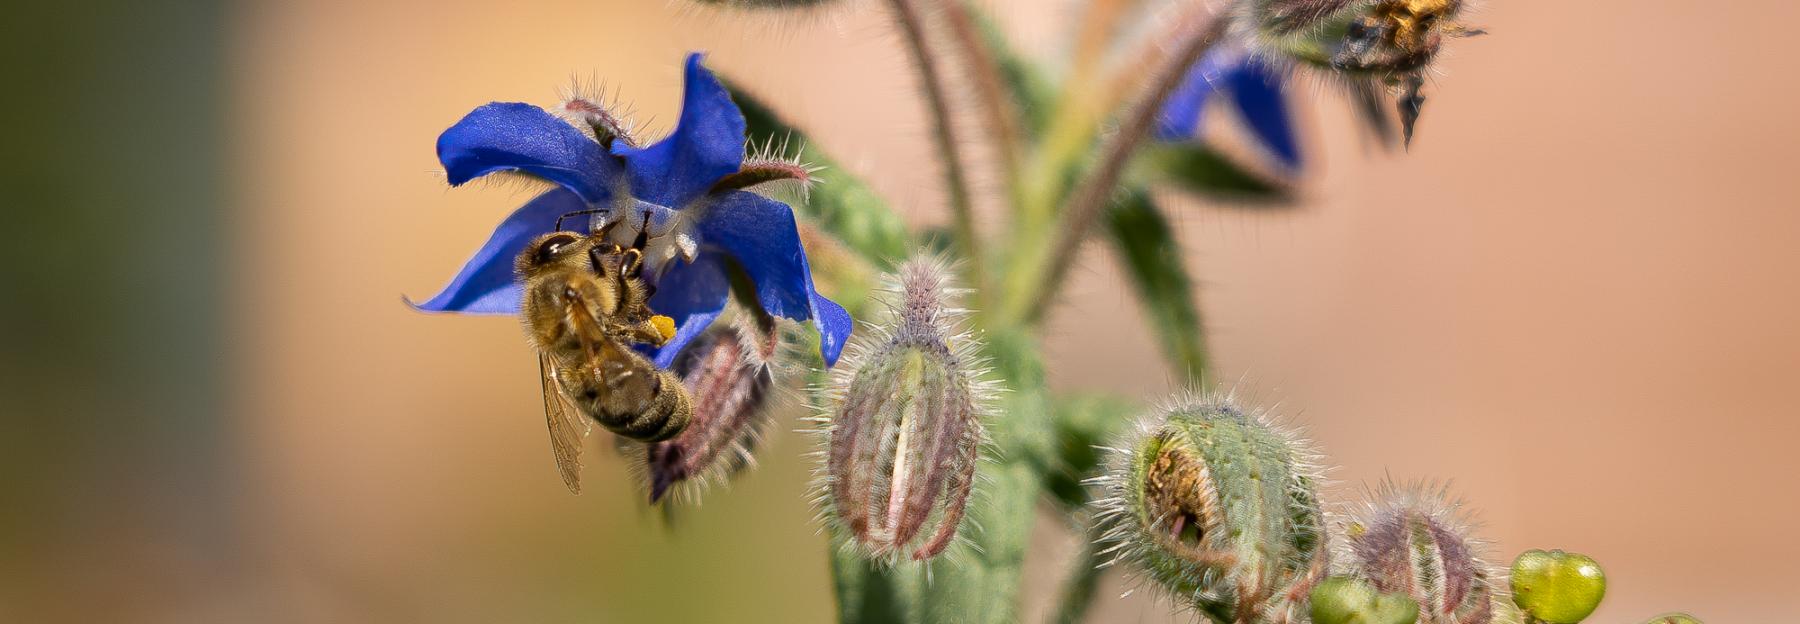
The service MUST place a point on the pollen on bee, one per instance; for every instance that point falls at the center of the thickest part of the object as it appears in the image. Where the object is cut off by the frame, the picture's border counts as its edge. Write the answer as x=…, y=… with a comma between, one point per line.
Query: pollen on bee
x=664, y=325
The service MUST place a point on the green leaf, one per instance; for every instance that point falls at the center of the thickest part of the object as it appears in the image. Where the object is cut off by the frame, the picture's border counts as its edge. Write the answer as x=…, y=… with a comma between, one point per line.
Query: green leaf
x=1083, y=423
x=840, y=203
x=1200, y=169
x=1151, y=258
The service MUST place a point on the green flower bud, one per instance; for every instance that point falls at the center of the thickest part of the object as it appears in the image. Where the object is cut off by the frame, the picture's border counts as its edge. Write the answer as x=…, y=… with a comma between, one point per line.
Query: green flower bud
x=1556, y=586
x=904, y=410
x=1344, y=600
x=1412, y=539
x=1673, y=618
x=1218, y=508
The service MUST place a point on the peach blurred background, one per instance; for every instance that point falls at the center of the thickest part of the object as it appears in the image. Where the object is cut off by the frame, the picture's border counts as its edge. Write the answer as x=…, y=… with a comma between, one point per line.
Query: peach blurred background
x=1578, y=296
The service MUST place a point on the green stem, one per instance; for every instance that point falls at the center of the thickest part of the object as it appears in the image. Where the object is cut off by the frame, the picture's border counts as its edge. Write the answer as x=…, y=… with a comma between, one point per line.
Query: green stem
x=1084, y=578
x=996, y=106
x=867, y=594
x=956, y=185
x=1041, y=274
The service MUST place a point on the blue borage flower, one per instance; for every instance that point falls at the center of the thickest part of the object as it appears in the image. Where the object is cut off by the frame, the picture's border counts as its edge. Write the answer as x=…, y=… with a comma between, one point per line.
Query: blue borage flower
x=1256, y=90
x=697, y=229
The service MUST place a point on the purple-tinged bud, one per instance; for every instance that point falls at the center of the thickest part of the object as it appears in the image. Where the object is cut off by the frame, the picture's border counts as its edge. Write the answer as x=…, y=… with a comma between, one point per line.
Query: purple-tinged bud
x=1414, y=540
x=769, y=164
x=904, y=408
x=728, y=377
x=1218, y=507
x=591, y=112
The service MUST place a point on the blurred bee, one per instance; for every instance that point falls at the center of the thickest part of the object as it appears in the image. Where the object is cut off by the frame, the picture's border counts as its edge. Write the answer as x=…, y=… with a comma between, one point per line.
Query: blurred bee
x=584, y=309
x=1397, y=40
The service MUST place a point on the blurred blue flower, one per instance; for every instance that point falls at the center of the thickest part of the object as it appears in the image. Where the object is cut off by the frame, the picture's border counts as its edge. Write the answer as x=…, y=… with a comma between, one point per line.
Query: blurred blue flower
x=1254, y=87
x=696, y=230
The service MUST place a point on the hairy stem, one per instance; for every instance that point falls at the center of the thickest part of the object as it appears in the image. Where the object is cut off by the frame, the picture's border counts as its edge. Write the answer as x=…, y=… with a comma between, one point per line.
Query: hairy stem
x=1078, y=588
x=996, y=106
x=1094, y=192
x=956, y=186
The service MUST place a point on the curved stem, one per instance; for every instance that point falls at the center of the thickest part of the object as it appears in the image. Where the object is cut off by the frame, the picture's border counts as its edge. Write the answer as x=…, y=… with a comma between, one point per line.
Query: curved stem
x=956, y=186
x=1093, y=193
x=996, y=106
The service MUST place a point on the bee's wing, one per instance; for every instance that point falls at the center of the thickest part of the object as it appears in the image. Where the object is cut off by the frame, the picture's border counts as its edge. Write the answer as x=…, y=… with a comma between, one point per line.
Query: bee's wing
x=567, y=426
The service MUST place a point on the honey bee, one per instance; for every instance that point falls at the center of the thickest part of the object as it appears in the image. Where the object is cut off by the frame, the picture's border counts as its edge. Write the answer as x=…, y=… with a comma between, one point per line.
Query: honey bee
x=1396, y=40
x=584, y=309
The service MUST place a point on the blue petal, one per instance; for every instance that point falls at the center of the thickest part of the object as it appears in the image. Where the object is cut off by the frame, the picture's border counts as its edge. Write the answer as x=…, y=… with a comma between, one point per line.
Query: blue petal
x=708, y=144
x=689, y=329
x=693, y=294
x=1256, y=89
x=486, y=284
x=509, y=136
x=1180, y=116
x=760, y=234
x=834, y=324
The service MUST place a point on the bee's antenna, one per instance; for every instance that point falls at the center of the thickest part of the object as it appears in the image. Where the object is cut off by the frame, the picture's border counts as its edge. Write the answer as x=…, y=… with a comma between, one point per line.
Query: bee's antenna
x=589, y=211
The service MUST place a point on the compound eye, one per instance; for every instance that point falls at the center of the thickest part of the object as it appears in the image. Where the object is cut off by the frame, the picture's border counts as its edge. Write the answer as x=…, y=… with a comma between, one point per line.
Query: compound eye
x=551, y=246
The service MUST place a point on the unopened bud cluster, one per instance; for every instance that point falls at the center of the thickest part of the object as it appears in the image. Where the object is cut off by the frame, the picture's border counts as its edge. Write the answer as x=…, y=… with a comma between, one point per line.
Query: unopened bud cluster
x=904, y=412
x=1411, y=540
x=1219, y=508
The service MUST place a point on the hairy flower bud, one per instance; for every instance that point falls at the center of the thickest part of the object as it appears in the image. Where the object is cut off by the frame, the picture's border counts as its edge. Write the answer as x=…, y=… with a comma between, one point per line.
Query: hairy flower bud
x=904, y=409
x=585, y=106
x=728, y=377
x=1218, y=507
x=1411, y=540
x=1344, y=600
x=1557, y=587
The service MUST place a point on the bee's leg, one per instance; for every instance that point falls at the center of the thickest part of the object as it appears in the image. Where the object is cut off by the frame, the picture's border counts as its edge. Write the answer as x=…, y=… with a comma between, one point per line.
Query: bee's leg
x=634, y=262
x=654, y=331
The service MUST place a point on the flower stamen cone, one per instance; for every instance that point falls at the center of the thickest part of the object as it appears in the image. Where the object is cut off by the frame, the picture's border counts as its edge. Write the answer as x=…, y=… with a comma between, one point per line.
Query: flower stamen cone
x=905, y=410
x=1218, y=507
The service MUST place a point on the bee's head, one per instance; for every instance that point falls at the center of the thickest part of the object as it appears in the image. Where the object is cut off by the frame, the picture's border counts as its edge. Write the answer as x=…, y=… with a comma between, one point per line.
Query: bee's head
x=547, y=250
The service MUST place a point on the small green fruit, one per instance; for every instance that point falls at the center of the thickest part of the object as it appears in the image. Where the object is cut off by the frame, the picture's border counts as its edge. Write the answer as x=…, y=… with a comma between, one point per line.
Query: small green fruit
x=1556, y=586
x=1344, y=600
